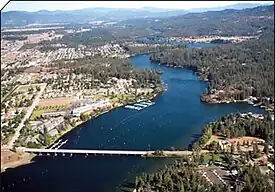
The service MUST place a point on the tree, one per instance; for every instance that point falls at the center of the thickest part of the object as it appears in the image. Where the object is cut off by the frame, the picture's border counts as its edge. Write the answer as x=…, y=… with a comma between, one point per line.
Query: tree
x=38, y=88
x=232, y=148
x=212, y=158
x=265, y=150
x=201, y=159
x=238, y=147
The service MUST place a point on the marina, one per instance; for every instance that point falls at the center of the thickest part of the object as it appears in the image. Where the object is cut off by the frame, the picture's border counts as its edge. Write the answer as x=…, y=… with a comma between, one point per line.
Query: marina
x=140, y=105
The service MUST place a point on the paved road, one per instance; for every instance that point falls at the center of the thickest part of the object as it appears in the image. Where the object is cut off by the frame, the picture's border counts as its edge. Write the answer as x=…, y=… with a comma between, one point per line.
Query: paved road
x=27, y=116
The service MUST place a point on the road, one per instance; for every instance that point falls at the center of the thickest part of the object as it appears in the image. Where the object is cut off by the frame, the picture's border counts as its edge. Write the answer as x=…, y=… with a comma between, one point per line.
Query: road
x=27, y=116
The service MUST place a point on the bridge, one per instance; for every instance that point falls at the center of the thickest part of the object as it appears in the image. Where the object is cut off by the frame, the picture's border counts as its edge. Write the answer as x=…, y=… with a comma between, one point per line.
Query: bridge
x=106, y=152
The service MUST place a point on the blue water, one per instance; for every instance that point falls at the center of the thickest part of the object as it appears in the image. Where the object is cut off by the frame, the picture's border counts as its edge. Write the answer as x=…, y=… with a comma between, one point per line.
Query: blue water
x=175, y=120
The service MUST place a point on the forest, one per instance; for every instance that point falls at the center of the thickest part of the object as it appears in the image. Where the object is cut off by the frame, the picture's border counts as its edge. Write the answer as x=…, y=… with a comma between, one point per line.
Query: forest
x=239, y=70
x=103, y=69
x=228, y=22
x=238, y=125
x=183, y=176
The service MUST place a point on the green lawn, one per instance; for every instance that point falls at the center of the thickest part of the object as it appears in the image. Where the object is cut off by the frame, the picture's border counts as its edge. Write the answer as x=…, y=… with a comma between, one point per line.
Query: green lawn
x=208, y=156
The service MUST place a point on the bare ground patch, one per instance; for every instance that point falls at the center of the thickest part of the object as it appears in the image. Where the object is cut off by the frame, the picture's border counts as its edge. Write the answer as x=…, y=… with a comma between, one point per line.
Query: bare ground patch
x=11, y=159
x=56, y=101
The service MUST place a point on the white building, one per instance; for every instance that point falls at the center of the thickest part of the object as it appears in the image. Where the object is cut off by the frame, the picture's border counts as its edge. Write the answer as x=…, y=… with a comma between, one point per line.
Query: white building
x=82, y=109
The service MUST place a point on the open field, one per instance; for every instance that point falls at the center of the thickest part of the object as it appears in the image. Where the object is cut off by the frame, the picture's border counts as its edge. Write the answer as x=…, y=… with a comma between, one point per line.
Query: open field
x=56, y=101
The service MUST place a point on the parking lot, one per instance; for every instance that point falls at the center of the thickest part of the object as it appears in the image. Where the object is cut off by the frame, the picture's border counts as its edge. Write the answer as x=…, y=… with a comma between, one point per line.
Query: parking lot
x=217, y=175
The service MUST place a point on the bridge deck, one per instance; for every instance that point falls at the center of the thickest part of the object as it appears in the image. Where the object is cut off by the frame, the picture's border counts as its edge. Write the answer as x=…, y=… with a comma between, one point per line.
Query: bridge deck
x=107, y=152
x=81, y=151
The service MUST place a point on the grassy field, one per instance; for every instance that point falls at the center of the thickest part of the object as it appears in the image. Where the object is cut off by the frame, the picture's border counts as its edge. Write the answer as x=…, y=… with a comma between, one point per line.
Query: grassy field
x=208, y=156
x=122, y=98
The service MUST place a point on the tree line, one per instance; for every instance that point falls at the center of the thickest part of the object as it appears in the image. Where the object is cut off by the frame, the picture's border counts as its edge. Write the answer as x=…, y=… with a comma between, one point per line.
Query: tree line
x=103, y=69
x=183, y=176
x=240, y=70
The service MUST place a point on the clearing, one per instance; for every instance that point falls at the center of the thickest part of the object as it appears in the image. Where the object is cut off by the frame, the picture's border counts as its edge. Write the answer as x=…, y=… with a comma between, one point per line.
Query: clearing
x=56, y=101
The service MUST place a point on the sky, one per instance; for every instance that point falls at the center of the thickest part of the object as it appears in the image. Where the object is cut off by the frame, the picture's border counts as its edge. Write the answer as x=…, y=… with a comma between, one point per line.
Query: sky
x=71, y=5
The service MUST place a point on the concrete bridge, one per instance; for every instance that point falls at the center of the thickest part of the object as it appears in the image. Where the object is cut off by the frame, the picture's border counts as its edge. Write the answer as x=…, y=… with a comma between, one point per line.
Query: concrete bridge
x=106, y=152
x=87, y=152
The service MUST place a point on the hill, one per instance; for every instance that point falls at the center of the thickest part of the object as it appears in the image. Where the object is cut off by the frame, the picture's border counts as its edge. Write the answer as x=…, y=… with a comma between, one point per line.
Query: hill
x=234, y=6
x=18, y=18
x=252, y=21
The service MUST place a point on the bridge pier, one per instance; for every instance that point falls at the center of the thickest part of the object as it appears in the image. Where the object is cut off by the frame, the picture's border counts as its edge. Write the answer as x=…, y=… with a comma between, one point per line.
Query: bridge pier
x=71, y=155
x=40, y=154
x=48, y=154
x=63, y=154
x=55, y=154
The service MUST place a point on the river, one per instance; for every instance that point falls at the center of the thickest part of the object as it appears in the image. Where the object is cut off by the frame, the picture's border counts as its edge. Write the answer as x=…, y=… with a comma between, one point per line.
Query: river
x=176, y=120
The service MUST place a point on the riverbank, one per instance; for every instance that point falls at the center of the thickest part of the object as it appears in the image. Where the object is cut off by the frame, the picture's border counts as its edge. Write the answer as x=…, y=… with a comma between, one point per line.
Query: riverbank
x=219, y=97
x=11, y=159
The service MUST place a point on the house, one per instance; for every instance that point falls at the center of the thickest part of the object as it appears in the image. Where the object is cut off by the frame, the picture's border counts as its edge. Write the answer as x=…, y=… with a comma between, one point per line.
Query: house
x=224, y=144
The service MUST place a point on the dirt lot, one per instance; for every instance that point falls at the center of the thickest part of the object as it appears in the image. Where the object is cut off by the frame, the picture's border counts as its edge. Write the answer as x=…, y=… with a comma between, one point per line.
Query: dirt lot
x=56, y=101
x=11, y=159
x=215, y=138
x=242, y=139
x=232, y=140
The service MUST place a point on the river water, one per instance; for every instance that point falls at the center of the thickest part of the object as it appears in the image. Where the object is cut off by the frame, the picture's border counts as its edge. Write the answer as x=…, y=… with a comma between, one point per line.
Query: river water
x=176, y=120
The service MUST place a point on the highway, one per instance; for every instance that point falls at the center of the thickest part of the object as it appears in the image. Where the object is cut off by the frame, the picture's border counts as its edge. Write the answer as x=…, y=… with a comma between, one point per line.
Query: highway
x=27, y=116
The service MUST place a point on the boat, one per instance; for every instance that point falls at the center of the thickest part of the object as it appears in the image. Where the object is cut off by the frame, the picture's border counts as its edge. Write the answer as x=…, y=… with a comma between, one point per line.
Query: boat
x=250, y=102
x=148, y=103
x=256, y=105
x=140, y=105
x=132, y=107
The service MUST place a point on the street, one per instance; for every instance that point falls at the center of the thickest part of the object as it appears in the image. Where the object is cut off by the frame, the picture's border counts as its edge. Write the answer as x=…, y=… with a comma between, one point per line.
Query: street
x=27, y=116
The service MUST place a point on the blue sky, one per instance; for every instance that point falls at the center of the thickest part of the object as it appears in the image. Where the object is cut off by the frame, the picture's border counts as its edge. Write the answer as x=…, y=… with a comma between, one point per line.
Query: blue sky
x=71, y=5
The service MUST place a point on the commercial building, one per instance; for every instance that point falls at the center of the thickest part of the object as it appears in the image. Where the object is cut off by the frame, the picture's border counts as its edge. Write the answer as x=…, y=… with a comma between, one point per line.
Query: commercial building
x=99, y=104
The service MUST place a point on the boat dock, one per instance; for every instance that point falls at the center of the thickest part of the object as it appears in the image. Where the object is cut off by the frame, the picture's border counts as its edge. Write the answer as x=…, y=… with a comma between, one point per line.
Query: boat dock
x=140, y=105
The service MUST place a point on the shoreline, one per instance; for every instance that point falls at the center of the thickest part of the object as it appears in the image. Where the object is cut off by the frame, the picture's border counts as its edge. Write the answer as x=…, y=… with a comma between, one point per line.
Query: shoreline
x=26, y=158
x=225, y=101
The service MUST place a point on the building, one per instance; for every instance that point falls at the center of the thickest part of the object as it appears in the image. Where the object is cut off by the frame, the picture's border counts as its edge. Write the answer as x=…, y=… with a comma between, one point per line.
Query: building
x=51, y=124
x=99, y=104
x=54, y=114
x=77, y=111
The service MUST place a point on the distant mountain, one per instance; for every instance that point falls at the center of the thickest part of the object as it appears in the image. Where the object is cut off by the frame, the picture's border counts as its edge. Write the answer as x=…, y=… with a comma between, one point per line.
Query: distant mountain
x=17, y=18
x=229, y=22
x=237, y=6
